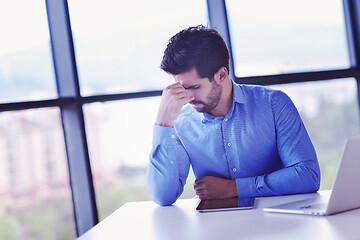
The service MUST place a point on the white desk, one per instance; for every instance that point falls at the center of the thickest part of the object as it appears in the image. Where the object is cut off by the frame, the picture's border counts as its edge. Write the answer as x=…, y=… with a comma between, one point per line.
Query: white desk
x=147, y=220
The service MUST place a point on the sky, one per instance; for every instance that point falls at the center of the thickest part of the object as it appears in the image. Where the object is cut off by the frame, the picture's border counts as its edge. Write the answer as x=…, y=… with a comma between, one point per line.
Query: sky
x=23, y=25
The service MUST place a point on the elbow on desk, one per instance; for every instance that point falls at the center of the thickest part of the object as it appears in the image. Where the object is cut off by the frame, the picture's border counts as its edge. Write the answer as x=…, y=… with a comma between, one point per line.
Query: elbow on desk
x=316, y=176
x=163, y=202
x=161, y=197
x=316, y=183
x=160, y=194
x=311, y=175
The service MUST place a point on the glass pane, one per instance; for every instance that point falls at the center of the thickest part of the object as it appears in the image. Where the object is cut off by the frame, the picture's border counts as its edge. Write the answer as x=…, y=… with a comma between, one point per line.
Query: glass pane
x=281, y=36
x=26, y=69
x=330, y=113
x=119, y=45
x=34, y=183
x=120, y=137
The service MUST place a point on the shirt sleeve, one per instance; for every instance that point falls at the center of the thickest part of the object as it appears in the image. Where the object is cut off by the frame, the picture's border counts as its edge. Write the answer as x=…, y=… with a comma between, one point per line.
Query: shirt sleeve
x=168, y=168
x=300, y=172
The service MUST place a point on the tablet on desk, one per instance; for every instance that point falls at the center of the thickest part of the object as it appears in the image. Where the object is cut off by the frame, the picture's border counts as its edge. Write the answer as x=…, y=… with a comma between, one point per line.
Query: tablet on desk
x=228, y=204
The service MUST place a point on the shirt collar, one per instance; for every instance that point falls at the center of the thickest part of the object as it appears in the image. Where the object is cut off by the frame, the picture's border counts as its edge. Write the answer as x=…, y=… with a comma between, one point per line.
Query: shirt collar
x=238, y=97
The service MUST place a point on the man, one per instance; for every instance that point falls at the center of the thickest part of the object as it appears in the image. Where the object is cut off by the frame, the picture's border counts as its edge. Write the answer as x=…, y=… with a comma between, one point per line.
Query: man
x=241, y=140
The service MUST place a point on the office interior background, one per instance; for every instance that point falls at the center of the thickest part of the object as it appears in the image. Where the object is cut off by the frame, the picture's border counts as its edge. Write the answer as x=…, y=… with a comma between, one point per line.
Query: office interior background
x=80, y=84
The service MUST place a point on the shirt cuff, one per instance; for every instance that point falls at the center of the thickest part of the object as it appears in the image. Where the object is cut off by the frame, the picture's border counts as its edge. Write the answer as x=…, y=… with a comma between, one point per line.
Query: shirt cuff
x=164, y=135
x=246, y=187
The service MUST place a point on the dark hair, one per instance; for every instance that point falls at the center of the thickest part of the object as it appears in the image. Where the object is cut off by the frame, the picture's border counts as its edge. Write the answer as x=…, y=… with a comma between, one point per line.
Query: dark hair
x=196, y=47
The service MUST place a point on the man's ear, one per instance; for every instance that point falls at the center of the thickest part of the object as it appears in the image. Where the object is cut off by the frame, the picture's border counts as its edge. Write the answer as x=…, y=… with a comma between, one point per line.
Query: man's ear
x=221, y=75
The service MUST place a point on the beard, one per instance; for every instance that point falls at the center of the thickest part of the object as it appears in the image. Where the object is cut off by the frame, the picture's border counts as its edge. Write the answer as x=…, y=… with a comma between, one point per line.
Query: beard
x=213, y=99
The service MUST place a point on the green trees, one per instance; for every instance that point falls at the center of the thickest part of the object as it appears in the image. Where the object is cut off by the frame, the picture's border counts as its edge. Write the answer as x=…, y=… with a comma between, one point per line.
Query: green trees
x=328, y=129
x=9, y=229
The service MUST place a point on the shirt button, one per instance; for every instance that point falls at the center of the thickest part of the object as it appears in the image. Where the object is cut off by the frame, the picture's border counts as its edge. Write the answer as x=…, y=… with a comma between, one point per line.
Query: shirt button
x=172, y=136
x=229, y=144
x=172, y=162
x=226, y=119
x=234, y=169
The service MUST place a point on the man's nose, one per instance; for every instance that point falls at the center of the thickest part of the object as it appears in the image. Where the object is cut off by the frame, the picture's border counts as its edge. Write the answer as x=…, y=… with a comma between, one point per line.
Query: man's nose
x=190, y=94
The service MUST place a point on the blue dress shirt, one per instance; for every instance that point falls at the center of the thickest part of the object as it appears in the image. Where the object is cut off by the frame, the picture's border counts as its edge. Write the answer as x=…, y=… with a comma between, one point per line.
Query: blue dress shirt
x=261, y=143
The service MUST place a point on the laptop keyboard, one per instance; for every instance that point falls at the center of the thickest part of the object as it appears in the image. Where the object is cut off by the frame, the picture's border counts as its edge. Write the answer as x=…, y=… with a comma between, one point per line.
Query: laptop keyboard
x=315, y=206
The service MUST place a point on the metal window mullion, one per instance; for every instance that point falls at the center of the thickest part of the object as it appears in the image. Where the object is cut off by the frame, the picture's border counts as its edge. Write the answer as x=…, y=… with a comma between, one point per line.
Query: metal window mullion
x=352, y=22
x=299, y=77
x=218, y=19
x=82, y=188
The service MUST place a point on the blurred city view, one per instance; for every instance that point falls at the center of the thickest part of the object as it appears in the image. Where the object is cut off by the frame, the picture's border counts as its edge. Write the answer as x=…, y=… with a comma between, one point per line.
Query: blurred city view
x=121, y=53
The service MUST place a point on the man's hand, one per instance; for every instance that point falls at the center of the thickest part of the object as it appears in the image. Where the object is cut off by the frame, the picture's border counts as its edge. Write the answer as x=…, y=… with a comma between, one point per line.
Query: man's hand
x=215, y=188
x=174, y=97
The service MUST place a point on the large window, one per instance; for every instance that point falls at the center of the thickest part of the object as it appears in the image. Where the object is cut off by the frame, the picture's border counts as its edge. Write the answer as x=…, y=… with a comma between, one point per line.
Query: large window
x=120, y=49
x=34, y=183
x=120, y=137
x=26, y=70
x=280, y=36
x=330, y=112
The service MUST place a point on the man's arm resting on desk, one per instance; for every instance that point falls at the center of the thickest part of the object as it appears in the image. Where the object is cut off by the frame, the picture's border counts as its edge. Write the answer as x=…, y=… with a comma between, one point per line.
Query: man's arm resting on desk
x=209, y=187
x=303, y=177
x=168, y=168
x=300, y=178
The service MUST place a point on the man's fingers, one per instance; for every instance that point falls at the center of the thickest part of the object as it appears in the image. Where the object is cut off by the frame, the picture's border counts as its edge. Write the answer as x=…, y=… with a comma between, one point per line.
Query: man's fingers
x=174, y=97
x=177, y=90
x=200, y=183
x=213, y=187
x=175, y=86
x=199, y=186
x=203, y=194
x=202, y=179
x=179, y=95
x=198, y=180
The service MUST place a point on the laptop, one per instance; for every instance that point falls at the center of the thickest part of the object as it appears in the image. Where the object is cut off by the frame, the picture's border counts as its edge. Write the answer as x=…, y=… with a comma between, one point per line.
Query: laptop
x=345, y=194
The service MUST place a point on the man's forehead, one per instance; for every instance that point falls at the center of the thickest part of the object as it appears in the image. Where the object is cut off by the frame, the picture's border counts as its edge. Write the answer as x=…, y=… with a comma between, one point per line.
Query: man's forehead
x=189, y=78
